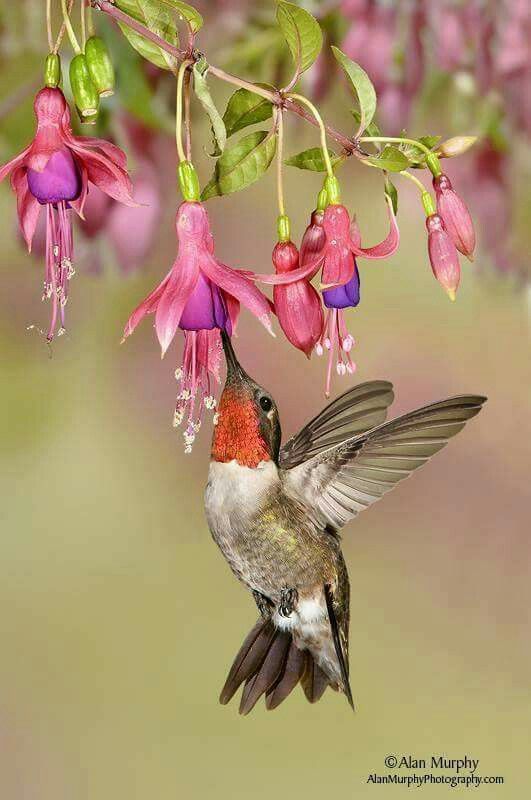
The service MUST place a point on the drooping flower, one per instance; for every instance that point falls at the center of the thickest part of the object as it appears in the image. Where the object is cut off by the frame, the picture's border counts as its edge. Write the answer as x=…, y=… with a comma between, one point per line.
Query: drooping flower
x=340, y=245
x=443, y=255
x=297, y=304
x=456, y=216
x=55, y=171
x=201, y=296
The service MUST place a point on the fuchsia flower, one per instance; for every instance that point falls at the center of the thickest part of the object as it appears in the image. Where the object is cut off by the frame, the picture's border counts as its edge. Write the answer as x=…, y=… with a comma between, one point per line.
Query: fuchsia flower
x=200, y=295
x=457, y=219
x=55, y=171
x=443, y=255
x=297, y=304
x=340, y=244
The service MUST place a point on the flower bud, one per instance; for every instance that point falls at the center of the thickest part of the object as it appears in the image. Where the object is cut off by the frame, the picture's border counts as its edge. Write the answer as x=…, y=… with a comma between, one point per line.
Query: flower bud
x=455, y=146
x=297, y=305
x=85, y=94
x=314, y=238
x=100, y=66
x=52, y=71
x=443, y=255
x=457, y=219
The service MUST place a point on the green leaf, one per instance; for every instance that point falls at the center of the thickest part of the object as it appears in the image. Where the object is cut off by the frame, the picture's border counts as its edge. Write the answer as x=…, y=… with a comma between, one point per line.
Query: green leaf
x=391, y=159
x=241, y=164
x=302, y=34
x=312, y=159
x=193, y=18
x=246, y=108
x=362, y=85
x=150, y=14
x=219, y=134
x=416, y=155
x=391, y=192
x=370, y=130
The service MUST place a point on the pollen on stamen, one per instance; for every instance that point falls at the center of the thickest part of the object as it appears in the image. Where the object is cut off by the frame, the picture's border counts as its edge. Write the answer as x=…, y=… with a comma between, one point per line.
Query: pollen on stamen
x=215, y=418
x=179, y=373
x=348, y=343
x=210, y=402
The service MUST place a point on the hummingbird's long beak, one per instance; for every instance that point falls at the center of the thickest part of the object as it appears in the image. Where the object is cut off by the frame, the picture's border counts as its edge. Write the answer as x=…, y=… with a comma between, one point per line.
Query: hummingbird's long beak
x=234, y=369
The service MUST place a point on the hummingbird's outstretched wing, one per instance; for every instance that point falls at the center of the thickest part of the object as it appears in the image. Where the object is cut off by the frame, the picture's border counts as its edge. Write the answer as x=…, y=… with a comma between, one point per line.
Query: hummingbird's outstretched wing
x=355, y=411
x=342, y=481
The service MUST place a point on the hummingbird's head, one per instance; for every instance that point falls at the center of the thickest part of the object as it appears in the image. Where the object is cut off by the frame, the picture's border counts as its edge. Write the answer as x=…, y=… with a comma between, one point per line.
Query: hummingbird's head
x=248, y=427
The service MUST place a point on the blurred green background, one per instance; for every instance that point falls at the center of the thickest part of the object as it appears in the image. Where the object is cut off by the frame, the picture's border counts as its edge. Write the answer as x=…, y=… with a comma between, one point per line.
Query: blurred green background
x=118, y=615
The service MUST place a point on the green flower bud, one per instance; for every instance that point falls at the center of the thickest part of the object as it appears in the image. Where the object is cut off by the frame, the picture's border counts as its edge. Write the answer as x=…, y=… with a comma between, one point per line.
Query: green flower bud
x=100, y=66
x=52, y=71
x=455, y=146
x=283, y=228
x=188, y=181
x=85, y=94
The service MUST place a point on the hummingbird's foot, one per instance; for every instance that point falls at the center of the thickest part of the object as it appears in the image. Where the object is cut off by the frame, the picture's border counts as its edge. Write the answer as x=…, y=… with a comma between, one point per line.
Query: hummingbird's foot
x=264, y=603
x=288, y=601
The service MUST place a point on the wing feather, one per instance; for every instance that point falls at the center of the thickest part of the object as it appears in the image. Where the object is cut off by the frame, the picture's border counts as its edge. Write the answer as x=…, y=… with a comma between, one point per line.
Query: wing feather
x=338, y=483
x=357, y=410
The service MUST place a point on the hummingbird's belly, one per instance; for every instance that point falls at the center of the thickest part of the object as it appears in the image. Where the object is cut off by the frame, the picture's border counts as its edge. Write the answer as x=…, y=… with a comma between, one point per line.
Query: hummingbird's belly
x=264, y=536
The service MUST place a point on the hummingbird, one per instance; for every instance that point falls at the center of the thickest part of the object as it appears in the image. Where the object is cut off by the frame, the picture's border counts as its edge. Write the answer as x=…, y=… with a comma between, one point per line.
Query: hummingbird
x=276, y=512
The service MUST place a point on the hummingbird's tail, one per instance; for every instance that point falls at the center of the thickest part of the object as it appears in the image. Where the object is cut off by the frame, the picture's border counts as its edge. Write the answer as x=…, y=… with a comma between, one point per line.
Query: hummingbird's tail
x=270, y=663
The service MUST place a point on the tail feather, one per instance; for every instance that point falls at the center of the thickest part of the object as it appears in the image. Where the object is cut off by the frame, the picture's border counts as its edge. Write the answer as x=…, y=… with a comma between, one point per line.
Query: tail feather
x=269, y=662
x=249, y=658
x=341, y=656
x=268, y=674
x=314, y=681
x=292, y=674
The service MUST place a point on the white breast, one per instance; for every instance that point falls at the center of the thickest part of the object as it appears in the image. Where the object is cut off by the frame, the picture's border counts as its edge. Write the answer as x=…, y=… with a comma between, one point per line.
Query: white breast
x=234, y=493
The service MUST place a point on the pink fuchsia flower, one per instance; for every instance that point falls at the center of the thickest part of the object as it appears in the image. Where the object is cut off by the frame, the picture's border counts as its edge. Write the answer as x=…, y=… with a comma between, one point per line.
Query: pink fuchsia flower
x=297, y=304
x=456, y=216
x=340, y=244
x=55, y=171
x=198, y=294
x=443, y=255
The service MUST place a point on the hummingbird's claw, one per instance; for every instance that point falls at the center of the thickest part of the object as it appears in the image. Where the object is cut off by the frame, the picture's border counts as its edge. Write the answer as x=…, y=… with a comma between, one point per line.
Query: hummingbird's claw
x=288, y=601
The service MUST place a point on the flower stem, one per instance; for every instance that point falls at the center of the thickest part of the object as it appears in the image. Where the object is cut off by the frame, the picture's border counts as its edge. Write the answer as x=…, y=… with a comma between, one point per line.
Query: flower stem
x=427, y=200
x=288, y=103
x=62, y=29
x=187, y=115
x=69, y=29
x=399, y=139
x=326, y=156
x=414, y=180
x=90, y=20
x=179, y=111
x=280, y=150
x=49, y=24
x=83, y=25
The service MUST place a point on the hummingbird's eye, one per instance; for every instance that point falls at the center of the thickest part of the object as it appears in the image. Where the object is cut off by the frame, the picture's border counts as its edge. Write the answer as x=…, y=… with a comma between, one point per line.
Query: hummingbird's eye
x=266, y=404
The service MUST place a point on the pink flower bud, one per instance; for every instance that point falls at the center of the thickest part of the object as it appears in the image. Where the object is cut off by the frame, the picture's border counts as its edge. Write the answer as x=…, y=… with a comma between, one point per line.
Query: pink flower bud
x=314, y=239
x=297, y=305
x=457, y=219
x=443, y=255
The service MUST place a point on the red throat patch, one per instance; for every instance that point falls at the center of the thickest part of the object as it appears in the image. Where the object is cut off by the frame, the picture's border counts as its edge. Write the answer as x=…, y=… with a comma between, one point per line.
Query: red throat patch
x=237, y=433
